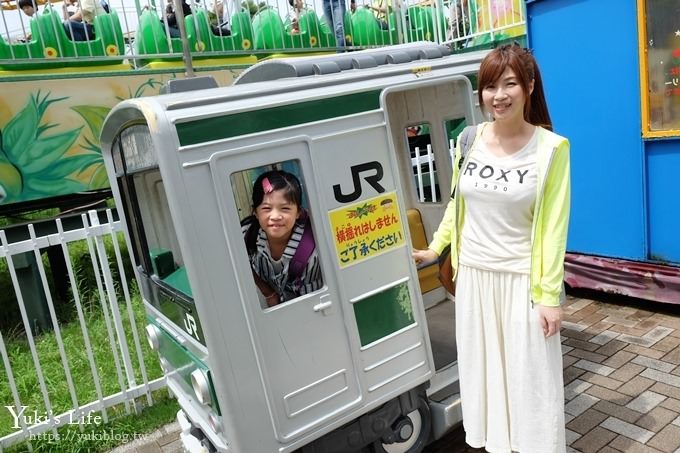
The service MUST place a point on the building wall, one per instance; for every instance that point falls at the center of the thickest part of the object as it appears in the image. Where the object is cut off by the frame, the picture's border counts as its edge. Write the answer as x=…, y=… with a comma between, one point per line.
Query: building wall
x=623, y=202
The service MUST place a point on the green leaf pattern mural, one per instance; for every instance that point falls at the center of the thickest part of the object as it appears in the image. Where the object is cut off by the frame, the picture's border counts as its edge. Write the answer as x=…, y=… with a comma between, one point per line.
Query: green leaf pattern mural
x=49, y=143
x=32, y=163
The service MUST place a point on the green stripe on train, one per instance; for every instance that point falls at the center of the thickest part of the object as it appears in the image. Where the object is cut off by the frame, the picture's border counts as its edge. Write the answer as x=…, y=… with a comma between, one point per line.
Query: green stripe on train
x=242, y=123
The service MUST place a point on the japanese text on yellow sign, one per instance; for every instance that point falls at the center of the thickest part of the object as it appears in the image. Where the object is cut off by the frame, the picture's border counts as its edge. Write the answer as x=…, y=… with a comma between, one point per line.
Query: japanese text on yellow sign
x=366, y=229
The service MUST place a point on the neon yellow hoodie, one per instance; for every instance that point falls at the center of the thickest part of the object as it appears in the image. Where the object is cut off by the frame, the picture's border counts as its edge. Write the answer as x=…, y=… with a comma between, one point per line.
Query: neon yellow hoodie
x=550, y=223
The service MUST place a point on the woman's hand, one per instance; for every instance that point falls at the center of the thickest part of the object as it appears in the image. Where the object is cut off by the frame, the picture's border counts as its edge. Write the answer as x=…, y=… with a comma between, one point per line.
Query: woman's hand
x=551, y=319
x=424, y=256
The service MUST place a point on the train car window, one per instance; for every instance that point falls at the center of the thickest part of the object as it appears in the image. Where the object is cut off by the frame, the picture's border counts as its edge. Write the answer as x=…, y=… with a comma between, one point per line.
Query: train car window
x=133, y=225
x=663, y=64
x=383, y=313
x=423, y=162
x=277, y=231
x=155, y=242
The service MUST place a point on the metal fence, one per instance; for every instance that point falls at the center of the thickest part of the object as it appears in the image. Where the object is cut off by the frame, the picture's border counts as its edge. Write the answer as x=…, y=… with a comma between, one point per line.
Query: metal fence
x=136, y=32
x=85, y=357
x=424, y=171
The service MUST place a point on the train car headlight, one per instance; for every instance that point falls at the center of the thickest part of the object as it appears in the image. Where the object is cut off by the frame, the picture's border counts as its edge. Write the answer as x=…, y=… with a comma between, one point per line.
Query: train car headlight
x=152, y=336
x=199, y=381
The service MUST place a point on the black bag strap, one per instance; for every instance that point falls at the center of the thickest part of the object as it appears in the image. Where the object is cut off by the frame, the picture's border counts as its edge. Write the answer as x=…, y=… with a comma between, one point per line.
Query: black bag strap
x=467, y=138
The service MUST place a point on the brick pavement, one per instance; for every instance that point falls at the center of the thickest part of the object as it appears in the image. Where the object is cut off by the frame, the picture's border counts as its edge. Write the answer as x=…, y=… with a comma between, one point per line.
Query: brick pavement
x=164, y=440
x=621, y=376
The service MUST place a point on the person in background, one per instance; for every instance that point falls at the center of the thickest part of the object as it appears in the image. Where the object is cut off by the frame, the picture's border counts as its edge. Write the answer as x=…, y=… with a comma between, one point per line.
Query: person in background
x=297, y=7
x=222, y=27
x=68, y=9
x=381, y=9
x=507, y=226
x=79, y=26
x=173, y=27
x=334, y=12
x=28, y=7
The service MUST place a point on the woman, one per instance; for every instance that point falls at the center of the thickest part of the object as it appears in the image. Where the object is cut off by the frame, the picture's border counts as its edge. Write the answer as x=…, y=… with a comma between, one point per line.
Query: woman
x=507, y=224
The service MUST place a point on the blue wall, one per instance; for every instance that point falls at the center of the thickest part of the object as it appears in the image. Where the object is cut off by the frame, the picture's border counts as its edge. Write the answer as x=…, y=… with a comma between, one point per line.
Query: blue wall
x=587, y=51
x=663, y=183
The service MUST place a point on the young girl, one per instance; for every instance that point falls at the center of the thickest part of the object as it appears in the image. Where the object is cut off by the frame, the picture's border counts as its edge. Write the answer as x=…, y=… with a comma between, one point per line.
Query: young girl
x=279, y=227
x=507, y=224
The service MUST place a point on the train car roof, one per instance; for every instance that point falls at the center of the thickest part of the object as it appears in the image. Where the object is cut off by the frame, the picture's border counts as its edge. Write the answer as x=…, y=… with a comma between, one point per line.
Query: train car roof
x=399, y=64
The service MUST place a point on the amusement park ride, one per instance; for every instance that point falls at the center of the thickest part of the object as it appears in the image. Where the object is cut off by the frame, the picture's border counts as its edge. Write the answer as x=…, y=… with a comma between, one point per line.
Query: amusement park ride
x=358, y=364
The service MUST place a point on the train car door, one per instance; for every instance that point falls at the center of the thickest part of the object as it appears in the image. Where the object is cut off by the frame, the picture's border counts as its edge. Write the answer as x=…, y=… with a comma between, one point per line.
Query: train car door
x=302, y=346
x=443, y=106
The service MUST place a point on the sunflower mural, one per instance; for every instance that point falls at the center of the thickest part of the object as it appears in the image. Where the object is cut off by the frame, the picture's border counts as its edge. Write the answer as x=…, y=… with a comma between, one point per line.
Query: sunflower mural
x=49, y=144
x=34, y=162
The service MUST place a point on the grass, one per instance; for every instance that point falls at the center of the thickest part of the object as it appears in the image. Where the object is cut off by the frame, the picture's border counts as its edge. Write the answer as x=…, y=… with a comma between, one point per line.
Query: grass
x=30, y=393
x=10, y=319
x=121, y=426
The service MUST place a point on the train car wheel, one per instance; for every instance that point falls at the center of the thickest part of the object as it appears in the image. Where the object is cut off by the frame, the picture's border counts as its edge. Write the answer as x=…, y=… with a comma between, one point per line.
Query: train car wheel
x=410, y=433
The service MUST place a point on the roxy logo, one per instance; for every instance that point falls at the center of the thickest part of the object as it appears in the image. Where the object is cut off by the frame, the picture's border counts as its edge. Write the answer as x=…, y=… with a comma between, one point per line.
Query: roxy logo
x=495, y=174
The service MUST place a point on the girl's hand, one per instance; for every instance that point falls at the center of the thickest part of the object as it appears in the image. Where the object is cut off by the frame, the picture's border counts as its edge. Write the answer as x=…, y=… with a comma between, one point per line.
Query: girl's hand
x=424, y=256
x=551, y=319
x=272, y=299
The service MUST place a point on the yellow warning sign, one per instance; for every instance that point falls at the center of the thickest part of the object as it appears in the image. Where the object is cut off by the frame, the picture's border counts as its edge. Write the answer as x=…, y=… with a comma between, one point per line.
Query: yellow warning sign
x=366, y=229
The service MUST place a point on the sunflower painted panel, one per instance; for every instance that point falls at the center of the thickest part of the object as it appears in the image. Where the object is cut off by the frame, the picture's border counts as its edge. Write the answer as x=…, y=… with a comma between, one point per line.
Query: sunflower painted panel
x=49, y=131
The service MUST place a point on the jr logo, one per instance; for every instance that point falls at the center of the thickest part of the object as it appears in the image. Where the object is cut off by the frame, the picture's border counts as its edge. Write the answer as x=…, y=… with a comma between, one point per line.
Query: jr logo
x=372, y=180
x=190, y=326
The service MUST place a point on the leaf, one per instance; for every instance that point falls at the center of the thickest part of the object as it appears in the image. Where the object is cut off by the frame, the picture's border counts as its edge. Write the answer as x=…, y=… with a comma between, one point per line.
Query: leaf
x=46, y=150
x=45, y=102
x=92, y=147
x=37, y=186
x=69, y=165
x=44, y=128
x=20, y=132
x=99, y=179
x=94, y=117
x=10, y=180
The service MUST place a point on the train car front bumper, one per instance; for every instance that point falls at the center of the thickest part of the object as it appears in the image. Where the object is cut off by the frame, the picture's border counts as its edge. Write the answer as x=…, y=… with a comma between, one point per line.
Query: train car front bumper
x=191, y=443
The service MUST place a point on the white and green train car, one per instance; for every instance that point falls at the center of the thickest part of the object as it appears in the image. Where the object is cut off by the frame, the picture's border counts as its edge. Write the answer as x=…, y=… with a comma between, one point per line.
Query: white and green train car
x=365, y=363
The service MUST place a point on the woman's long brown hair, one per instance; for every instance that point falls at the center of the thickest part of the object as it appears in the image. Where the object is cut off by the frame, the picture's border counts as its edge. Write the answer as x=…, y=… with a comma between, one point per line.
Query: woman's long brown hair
x=524, y=65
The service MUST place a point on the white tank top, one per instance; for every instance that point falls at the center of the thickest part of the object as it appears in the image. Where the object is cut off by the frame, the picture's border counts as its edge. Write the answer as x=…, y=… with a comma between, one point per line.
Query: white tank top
x=499, y=194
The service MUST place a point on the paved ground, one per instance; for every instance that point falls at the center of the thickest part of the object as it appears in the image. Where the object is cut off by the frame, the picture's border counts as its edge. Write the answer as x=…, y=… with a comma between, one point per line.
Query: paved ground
x=621, y=376
x=165, y=440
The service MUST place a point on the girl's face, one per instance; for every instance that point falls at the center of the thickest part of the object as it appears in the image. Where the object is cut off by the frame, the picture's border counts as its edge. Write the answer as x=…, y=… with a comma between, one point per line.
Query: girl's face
x=504, y=99
x=277, y=215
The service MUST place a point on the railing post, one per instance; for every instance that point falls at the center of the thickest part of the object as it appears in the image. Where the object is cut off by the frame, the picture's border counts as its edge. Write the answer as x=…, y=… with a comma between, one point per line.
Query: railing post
x=186, y=52
x=29, y=280
x=113, y=302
